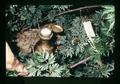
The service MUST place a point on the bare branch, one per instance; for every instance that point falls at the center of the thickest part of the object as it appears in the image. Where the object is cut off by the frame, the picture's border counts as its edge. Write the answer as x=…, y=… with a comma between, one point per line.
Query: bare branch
x=77, y=9
x=80, y=62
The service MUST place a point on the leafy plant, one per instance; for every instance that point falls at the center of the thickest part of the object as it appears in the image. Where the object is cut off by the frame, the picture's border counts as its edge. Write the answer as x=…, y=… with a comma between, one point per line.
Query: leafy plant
x=43, y=64
x=75, y=43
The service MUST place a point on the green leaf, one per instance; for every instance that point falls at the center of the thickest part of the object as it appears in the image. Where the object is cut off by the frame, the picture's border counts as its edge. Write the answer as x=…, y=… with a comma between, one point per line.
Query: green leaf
x=110, y=27
x=12, y=9
x=30, y=61
x=77, y=50
x=23, y=18
x=38, y=73
x=44, y=67
x=54, y=74
x=32, y=9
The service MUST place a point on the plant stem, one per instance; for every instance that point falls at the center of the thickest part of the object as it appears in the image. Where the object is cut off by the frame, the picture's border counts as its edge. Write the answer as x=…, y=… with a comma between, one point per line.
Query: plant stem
x=80, y=62
x=77, y=9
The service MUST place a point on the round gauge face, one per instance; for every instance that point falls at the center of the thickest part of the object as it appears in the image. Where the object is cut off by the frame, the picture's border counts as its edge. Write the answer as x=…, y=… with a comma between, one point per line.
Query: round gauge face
x=45, y=32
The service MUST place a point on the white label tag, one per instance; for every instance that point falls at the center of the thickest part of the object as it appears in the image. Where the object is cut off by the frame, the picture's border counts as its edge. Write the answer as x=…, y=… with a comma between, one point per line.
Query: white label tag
x=89, y=29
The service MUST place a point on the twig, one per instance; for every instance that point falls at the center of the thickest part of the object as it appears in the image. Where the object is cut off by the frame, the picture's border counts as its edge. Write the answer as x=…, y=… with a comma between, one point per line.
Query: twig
x=77, y=9
x=38, y=24
x=80, y=62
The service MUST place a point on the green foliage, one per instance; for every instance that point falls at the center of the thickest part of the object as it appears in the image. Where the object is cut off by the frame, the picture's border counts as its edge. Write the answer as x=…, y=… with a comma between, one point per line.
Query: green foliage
x=12, y=73
x=76, y=45
x=104, y=23
x=101, y=71
x=43, y=64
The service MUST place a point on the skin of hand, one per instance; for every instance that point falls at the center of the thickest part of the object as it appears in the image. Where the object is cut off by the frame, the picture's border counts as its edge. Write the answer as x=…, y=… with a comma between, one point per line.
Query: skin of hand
x=13, y=64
